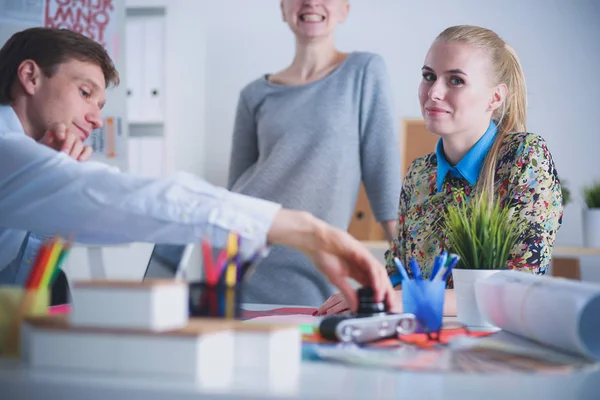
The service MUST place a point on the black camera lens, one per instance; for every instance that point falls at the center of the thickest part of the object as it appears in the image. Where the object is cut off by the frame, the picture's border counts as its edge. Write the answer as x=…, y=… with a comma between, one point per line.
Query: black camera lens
x=367, y=306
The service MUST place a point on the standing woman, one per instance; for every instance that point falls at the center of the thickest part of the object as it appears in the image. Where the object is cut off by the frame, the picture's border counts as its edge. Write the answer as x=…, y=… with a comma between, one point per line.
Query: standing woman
x=306, y=136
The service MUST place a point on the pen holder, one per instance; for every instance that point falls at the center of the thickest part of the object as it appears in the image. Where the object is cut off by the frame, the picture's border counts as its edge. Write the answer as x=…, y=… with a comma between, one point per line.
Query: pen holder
x=215, y=301
x=16, y=304
x=425, y=299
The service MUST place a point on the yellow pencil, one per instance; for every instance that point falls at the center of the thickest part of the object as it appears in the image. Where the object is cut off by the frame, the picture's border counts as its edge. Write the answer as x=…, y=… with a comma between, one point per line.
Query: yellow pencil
x=232, y=249
x=231, y=275
x=55, y=250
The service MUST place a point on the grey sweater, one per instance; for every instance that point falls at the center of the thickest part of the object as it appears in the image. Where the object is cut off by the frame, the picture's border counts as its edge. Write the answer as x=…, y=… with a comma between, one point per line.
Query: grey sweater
x=307, y=147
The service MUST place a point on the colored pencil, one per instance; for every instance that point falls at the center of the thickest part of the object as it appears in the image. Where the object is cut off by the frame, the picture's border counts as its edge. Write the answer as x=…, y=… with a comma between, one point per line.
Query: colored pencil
x=232, y=250
x=37, y=271
x=55, y=251
x=61, y=260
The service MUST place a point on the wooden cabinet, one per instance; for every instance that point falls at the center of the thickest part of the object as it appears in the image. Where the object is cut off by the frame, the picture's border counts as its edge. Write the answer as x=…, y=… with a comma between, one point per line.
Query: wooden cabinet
x=415, y=141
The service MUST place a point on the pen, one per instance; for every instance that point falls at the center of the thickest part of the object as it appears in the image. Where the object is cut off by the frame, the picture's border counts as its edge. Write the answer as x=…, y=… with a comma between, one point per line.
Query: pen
x=401, y=268
x=414, y=267
x=451, y=265
x=437, y=264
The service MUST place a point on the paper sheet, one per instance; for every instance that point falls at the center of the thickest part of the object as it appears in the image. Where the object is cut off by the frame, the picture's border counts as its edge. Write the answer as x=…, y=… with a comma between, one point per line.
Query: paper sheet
x=302, y=317
x=469, y=355
x=559, y=313
x=296, y=319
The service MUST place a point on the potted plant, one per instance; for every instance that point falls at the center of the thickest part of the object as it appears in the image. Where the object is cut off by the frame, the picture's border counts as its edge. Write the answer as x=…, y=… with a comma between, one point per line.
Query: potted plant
x=483, y=234
x=591, y=215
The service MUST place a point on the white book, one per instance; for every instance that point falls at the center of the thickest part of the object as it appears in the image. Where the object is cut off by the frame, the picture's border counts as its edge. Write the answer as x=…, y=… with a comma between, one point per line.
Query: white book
x=156, y=305
x=274, y=350
x=559, y=313
x=199, y=353
x=262, y=346
x=271, y=353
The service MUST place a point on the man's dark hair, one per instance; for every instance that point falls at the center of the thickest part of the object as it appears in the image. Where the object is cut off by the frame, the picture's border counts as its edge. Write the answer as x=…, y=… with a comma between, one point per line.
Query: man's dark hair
x=48, y=48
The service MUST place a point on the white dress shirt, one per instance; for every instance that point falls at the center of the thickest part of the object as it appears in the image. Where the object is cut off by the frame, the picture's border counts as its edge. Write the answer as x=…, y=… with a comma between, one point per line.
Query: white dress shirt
x=49, y=193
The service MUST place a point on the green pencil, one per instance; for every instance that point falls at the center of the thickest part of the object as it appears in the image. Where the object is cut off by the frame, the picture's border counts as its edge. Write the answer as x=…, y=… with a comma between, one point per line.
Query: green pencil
x=61, y=258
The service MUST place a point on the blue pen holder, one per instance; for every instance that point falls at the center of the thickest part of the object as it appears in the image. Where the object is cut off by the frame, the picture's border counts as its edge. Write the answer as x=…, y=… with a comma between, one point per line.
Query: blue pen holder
x=215, y=301
x=425, y=299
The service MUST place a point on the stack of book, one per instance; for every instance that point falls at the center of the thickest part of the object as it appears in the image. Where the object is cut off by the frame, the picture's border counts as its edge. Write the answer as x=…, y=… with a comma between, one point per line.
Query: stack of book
x=143, y=329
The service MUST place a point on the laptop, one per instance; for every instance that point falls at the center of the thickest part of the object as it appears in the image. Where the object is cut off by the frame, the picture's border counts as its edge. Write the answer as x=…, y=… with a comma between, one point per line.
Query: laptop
x=169, y=261
x=173, y=261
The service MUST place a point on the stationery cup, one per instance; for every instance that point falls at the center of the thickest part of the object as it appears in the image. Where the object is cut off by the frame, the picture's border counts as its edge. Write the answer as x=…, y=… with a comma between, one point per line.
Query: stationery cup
x=214, y=301
x=425, y=299
x=17, y=304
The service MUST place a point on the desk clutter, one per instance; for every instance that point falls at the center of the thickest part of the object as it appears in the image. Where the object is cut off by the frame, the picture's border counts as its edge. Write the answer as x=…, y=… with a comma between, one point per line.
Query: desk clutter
x=193, y=331
x=541, y=325
x=143, y=329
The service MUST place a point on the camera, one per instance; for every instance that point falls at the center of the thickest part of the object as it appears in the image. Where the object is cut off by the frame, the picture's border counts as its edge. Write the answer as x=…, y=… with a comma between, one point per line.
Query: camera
x=371, y=322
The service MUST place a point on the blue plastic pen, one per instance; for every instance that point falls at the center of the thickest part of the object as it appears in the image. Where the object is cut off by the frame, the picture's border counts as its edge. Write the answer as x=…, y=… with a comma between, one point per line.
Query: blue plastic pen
x=414, y=267
x=401, y=268
x=437, y=264
x=451, y=265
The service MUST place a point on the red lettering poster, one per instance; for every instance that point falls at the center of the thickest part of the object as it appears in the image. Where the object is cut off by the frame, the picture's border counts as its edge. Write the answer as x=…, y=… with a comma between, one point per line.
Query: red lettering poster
x=92, y=18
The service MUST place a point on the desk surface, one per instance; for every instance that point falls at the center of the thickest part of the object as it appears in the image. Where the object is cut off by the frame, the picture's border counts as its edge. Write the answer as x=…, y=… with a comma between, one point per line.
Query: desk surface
x=316, y=380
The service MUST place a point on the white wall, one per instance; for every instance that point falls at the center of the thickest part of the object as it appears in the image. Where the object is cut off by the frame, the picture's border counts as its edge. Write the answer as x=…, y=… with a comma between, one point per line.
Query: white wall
x=214, y=48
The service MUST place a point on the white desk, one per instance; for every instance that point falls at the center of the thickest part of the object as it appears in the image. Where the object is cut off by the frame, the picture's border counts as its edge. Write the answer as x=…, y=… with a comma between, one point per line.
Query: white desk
x=317, y=380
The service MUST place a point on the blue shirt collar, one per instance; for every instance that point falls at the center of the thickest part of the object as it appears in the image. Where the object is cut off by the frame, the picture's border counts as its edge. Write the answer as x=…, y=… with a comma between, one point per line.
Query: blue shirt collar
x=470, y=165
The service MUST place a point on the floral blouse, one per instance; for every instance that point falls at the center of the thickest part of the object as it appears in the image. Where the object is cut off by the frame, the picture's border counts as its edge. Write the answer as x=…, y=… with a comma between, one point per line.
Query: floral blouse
x=526, y=179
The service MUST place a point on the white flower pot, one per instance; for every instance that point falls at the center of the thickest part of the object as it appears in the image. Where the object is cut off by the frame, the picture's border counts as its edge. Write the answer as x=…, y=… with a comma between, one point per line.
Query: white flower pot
x=591, y=227
x=466, y=303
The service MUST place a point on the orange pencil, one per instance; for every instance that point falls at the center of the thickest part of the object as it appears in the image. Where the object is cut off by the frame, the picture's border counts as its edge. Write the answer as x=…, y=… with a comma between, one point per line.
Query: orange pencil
x=34, y=269
x=40, y=265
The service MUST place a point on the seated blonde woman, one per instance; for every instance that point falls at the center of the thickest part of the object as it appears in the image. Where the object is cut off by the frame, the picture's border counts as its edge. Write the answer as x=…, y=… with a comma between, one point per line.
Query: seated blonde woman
x=473, y=95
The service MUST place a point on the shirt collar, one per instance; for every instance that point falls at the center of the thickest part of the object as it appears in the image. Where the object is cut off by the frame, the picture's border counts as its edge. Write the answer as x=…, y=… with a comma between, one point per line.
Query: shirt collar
x=9, y=121
x=470, y=165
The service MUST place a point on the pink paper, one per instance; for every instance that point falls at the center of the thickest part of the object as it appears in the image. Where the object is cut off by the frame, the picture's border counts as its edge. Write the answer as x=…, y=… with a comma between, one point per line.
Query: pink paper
x=62, y=309
x=294, y=319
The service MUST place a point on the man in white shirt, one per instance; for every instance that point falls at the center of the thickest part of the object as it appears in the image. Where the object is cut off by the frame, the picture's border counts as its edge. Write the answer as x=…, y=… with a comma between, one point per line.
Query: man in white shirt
x=50, y=76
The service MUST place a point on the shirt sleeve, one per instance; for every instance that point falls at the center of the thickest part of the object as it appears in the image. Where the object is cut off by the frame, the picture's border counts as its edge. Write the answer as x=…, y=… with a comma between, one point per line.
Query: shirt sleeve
x=380, y=151
x=49, y=193
x=537, y=198
x=244, y=145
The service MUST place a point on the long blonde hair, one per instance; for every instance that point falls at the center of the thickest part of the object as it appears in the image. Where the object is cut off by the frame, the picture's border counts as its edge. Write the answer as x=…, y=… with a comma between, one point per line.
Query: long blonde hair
x=512, y=115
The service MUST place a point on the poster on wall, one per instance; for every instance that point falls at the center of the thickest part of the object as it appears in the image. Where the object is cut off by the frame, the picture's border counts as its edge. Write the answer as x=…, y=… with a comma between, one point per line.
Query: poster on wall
x=95, y=19
x=92, y=18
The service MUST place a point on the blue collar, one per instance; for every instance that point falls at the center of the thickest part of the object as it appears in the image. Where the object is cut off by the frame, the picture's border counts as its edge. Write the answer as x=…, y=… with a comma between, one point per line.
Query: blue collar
x=470, y=165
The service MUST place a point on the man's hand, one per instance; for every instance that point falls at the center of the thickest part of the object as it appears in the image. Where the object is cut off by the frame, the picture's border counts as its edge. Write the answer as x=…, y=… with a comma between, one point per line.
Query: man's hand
x=335, y=253
x=60, y=139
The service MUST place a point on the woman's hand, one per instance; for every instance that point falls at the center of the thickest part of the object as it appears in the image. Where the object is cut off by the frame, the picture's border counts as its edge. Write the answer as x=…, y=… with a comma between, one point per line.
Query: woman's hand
x=335, y=304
